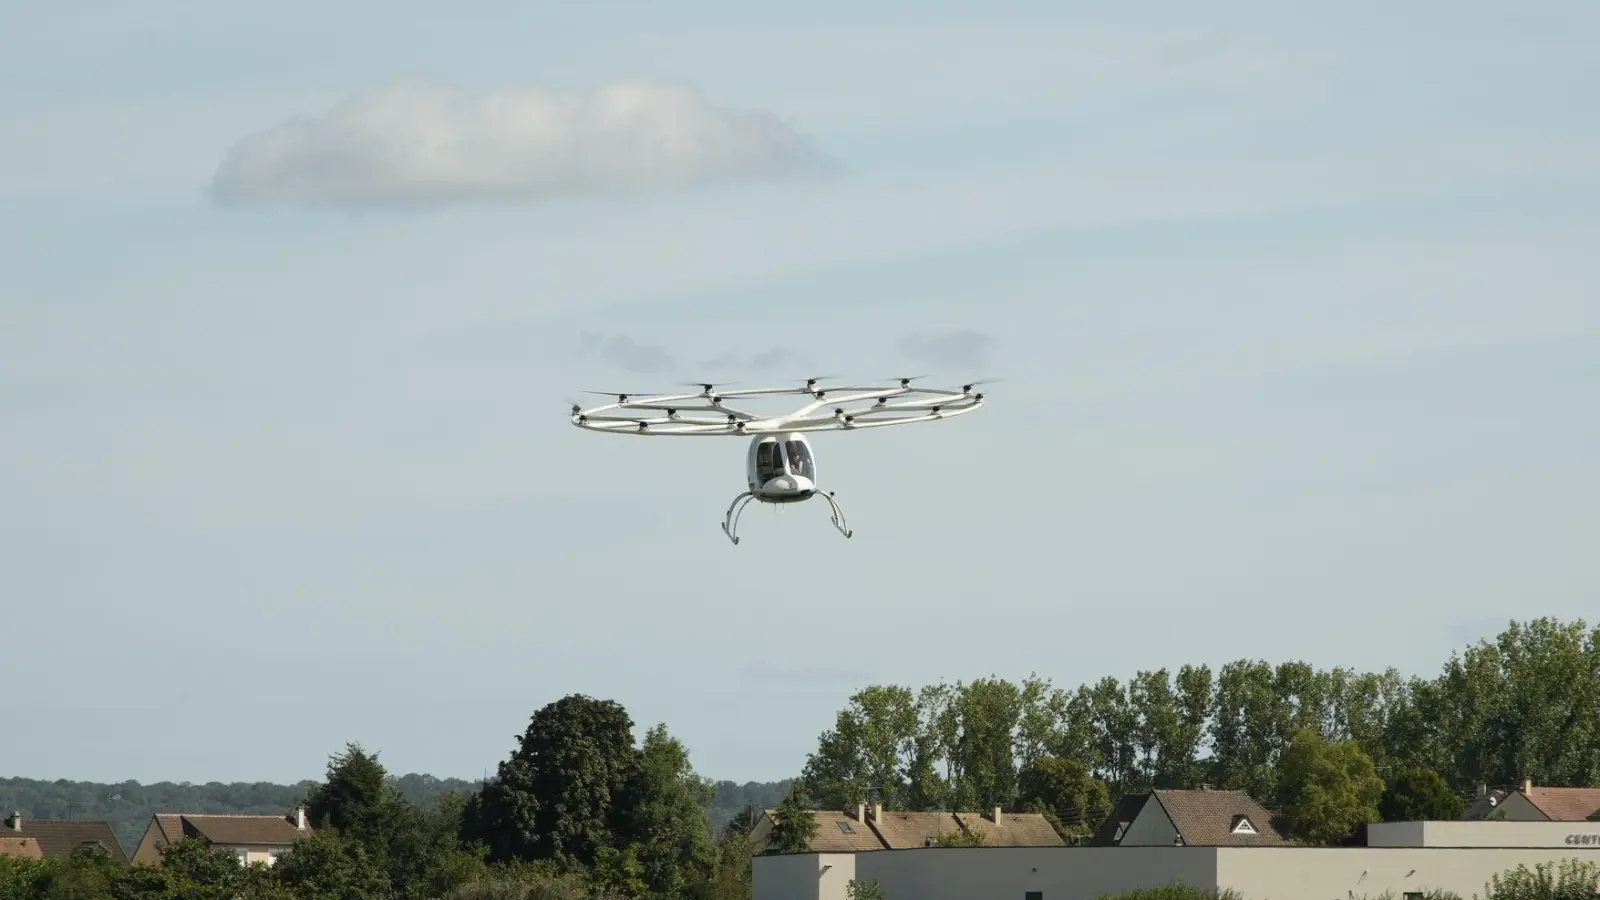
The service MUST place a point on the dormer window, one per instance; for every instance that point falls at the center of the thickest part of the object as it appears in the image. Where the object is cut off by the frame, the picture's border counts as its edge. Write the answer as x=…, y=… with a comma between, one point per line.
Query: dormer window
x=1241, y=825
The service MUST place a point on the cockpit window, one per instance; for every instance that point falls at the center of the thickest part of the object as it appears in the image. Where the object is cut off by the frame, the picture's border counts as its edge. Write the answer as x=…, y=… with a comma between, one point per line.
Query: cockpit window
x=800, y=459
x=769, y=464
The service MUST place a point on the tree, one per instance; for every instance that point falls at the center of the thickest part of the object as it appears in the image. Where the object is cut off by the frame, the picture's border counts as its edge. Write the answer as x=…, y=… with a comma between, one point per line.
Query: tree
x=331, y=867
x=1524, y=705
x=1328, y=790
x=871, y=745
x=794, y=825
x=556, y=796
x=1419, y=794
x=1249, y=727
x=664, y=814
x=193, y=868
x=990, y=710
x=1066, y=793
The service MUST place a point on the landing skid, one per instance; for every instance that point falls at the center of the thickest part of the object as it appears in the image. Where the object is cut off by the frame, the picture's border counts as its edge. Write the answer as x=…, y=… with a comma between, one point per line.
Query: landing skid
x=730, y=522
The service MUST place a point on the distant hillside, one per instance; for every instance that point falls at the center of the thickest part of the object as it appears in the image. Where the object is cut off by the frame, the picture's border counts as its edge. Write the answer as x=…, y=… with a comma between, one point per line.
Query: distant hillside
x=129, y=805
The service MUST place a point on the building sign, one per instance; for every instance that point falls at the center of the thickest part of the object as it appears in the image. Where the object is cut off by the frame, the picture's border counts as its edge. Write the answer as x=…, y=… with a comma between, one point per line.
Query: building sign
x=1582, y=839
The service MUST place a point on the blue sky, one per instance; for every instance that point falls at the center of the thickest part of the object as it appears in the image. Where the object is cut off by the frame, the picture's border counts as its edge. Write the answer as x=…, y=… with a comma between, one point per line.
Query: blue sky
x=1295, y=309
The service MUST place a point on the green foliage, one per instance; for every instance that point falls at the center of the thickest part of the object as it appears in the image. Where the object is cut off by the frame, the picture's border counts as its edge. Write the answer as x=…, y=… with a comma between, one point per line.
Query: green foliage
x=328, y=865
x=665, y=818
x=1417, y=795
x=1175, y=892
x=1523, y=704
x=1572, y=879
x=554, y=797
x=960, y=838
x=1330, y=789
x=864, y=890
x=1072, y=799
x=128, y=806
x=794, y=825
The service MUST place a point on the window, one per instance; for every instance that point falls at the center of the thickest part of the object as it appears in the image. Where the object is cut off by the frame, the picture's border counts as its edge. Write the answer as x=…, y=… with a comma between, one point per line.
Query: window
x=1241, y=825
x=845, y=827
x=1033, y=895
x=1412, y=895
x=768, y=464
x=800, y=459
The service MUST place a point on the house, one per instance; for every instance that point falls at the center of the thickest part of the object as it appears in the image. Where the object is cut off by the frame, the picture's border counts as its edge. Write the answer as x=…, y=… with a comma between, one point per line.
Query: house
x=253, y=838
x=1537, y=804
x=875, y=828
x=58, y=838
x=1195, y=818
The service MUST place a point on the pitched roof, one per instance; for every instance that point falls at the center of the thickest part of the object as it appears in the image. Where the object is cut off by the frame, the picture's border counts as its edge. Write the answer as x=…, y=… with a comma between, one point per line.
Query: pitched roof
x=1110, y=831
x=20, y=847
x=839, y=832
x=1014, y=830
x=900, y=830
x=843, y=832
x=219, y=828
x=1208, y=818
x=57, y=838
x=1566, y=804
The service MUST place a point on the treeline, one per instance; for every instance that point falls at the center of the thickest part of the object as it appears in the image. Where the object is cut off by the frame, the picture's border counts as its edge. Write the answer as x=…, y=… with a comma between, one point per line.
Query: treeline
x=577, y=811
x=1525, y=704
x=128, y=805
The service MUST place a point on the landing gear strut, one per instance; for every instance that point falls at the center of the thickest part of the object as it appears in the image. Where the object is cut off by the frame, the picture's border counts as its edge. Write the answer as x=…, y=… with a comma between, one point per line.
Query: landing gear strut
x=730, y=521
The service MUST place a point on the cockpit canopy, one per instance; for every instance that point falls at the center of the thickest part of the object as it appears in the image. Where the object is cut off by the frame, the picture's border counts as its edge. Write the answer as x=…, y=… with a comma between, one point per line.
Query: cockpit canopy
x=788, y=456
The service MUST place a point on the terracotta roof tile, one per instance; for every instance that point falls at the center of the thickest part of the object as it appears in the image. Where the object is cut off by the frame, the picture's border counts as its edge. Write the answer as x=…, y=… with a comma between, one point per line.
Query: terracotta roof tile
x=1566, y=804
x=900, y=830
x=839, y=832
x=20, y=847
x=1208, y=818
x=233, y=829
x=1014, y=830
x=57, y=838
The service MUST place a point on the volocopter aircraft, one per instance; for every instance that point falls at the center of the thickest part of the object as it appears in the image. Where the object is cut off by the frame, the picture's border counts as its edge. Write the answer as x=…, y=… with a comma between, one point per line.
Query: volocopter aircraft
x=780, y=464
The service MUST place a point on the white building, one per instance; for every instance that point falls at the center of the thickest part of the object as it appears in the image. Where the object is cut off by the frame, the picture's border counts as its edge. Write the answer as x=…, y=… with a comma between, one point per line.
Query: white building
x=1206, y=841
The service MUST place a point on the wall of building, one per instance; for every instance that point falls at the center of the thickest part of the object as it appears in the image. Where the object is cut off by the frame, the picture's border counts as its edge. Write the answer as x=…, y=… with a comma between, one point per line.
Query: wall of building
x=1152, y=827
x=1516, y=808
x=1289, y=873
x=804, y=876
x=1086, y=873
x=1009, y=873
x=1557, y=835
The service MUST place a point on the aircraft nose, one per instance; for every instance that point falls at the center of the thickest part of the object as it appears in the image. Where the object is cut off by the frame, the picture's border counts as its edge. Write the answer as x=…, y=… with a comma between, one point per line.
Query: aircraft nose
x=782, y=483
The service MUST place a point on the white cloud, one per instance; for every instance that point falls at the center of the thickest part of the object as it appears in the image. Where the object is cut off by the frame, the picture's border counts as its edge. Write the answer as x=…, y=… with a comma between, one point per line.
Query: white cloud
x=417, y=143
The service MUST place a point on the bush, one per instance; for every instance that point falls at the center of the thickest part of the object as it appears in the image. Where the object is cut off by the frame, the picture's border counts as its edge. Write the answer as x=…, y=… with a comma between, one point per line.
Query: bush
x=1175, y=892
x=1572, y=880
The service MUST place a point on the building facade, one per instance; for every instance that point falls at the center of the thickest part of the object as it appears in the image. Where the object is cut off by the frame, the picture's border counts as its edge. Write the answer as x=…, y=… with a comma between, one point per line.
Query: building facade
x=1212, y=840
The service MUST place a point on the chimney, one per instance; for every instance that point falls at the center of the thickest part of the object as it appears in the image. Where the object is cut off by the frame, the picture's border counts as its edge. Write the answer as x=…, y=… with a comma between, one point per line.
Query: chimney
x=877, y=811
x=1527, y=785
x=1483, y=790
x=14, y=821
x=861, y=812
x=997, y=814
x=300, y=818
